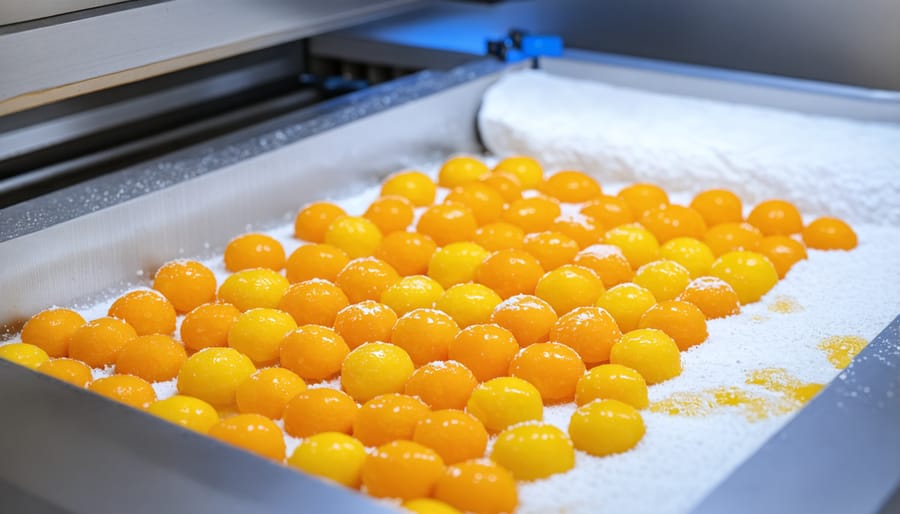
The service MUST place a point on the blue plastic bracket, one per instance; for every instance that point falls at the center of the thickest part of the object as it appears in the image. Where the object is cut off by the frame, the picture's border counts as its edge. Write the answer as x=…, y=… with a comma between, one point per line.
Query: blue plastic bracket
x=519, y=46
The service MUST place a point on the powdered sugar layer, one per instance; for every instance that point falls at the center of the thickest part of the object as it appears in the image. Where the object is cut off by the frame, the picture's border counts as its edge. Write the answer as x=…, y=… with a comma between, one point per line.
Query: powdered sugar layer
x=827, y=166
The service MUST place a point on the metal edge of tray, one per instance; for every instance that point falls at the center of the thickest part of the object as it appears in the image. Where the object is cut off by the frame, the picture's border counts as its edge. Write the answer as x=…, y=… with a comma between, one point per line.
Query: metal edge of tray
x=96, y=194
x=88, y=466
x=839, y=454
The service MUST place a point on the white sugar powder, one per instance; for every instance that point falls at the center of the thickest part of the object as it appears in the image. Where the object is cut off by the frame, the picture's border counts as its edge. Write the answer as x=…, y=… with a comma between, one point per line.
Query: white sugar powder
x=825, y=165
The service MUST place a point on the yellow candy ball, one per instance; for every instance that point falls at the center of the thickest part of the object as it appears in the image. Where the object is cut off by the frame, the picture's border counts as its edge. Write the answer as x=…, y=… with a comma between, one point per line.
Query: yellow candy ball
x=665, y=279
x=691, y=253
x=376, y=368
x=257, y=334
x=534, y=451
x=605, y=427
x=355, y=235
x=214, y=374
x=23, y=354
x=650, y=352
x=410, y=293
x=527, y=170
x=468, y=304
x=750, y=274
x=569, y=286
x=331, y=455
x=461, y=170
x=504, y=401
x=415, y=186
x=637, y=243
x=429, y=506
x=254, y=288
x=189, y=412
x=456, y=263
x=612, y=382
x=627, y=303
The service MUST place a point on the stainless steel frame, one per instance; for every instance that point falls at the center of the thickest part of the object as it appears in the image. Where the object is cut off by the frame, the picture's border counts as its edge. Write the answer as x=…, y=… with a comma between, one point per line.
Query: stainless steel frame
x=94, y=237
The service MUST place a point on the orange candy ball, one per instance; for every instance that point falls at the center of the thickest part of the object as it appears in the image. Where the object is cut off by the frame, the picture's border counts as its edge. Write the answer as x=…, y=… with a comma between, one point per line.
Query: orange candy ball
x=509, y=187
x=718, y=206
x=643, y=197
x=313, y=302
x=730, y=237
x=607, y=261
x=500, y=236
x=98, y=342
x=402, y=469
x=128, y=389
x=148, y=311
x=390, y=213
x=187, y=284
x=365, y=322
x=387, y=418
x=407, y=252
x=682, y=321
x=415, y=186
x=314, y=411
x=553, y=368
x=583, y=229
x=783, y=251
x=51, y=330
x=313, y=220
x=829, y=234
x=510, y=272
x=671, y=221
x=313, y=352
x=155, y=358
x=713, y=296
x=485, y=202
x=552, y=249
x=425, y=334
x=776, y=217
x=207, y=325
x=366, y=279
x=571, y=186
x=448, y=223
x=455, y=435
x=254, y=251
x=442, y=384
x=609, y=211
x=478, y=487
x=268, y=391
x=486, y=350
x=72, y=371
x=590, y=331
x=253, y=433
x=315, y=261
x=529, y=318
x=533, y=214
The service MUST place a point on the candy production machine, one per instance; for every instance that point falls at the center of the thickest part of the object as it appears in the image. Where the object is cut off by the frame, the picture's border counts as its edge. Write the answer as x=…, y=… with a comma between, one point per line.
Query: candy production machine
x=121, y=149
